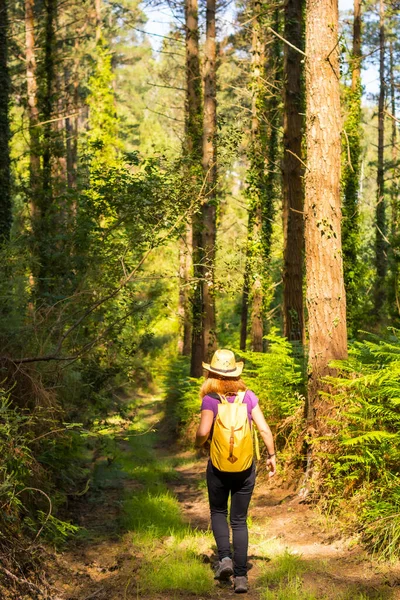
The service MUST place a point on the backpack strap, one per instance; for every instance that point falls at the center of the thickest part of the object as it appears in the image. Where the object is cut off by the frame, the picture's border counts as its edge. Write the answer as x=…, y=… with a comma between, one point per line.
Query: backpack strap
x=240, y=397
x=256, y=443
x=222, y=399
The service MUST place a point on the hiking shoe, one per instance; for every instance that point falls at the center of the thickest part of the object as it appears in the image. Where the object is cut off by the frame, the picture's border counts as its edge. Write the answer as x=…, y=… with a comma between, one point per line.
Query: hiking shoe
x=224, y=569
x=240, y=585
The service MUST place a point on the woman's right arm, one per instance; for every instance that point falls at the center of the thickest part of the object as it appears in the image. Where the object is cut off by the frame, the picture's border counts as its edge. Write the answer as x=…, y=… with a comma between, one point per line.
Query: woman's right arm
x=204, y=429
x=266, y=435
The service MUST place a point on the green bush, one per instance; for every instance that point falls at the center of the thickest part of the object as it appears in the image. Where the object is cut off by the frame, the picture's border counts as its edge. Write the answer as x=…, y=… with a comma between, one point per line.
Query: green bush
x=276, y=377
x=365, y=456
x=182, y=400
x=29, y=494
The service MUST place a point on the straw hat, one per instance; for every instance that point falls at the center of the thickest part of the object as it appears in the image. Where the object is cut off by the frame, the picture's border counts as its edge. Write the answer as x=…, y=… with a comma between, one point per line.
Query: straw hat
x=223, y=363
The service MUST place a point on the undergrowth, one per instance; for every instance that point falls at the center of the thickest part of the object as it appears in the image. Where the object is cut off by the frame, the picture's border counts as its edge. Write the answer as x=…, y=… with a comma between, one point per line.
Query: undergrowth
x=283, y=578
x=276, y=377
x=170, y=550
x=364, y=463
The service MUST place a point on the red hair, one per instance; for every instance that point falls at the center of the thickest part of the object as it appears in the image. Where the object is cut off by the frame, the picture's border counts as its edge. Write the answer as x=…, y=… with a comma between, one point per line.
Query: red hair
x=225, y=386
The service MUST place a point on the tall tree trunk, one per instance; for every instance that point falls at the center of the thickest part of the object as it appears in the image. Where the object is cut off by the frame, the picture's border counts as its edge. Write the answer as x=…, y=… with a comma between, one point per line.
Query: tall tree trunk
x=33, y=111
x=351, y=179
x=69, y=131
x=48, y=101
x=395, y=154
x=44, y=223
x=245, y=301
x=193, y=149
x=380, y=240
x=257, y=329
x=72, y=122
x=293, y=193
x=193, y=152
x=5, y=179
x=185, y=265
x=272, y=181
x=394, y=300
x=97, y=8
x=209, y=208
x=326, y=300
x=256, y=189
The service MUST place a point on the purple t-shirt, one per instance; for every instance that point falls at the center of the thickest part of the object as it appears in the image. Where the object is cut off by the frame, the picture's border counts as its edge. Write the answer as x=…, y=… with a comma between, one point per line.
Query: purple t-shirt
x=211, y=403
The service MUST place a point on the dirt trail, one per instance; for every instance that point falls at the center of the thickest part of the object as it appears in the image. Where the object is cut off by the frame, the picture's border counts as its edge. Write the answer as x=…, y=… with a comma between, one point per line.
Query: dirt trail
x=105, y=564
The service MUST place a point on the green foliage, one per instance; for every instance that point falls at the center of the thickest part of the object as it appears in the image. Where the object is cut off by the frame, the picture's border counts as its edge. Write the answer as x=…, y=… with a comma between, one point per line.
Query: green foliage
x=381, y=519
x=153, y=515
x=54, y=530
x=182, y=394
x=351, y=240
x=366, y=456
x=16, y=457
x=275, y=377
x=103, y=120
x=25, y=485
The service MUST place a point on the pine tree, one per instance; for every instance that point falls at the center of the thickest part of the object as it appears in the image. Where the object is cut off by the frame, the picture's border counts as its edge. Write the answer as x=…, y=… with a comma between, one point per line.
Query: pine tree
x=326, y=300
x=380, y=215
x=33, y=110
x=261, y=179
x=293, y=193
x=5, y=179
x=194, y=140
x=209, y=207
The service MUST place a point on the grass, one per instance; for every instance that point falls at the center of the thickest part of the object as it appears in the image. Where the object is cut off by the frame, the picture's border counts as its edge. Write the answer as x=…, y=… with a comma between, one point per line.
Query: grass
x=282, y=579
x=290, y=590
x=180, y=571
x=286, y=568
x=169, y=550
x=157, y=513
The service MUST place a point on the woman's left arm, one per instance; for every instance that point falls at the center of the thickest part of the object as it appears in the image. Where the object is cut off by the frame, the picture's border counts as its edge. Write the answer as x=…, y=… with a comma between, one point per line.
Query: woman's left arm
x=266, y=435
x=204, y=429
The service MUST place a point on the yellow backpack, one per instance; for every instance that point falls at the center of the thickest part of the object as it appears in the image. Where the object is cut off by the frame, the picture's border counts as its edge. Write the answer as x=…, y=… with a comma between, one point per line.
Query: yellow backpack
x=231, y=447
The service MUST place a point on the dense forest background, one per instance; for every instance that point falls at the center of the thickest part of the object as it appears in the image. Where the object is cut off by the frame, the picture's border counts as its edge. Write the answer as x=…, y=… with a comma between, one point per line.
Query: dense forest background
x=232, y=186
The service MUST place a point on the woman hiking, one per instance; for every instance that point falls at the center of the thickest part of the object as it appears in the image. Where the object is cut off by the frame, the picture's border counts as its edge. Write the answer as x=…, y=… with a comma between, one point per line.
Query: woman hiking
x=228, y=411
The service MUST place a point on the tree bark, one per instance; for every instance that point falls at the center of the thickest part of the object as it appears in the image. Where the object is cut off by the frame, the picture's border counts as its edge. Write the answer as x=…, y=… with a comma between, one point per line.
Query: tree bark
x=380, y=240
x=185, y=263
x=272, y=183
x=256, y=179
x=5, y=178
x=97, y=8
x=193, y=150
x=393, y=296
x=209, y=208
x=244, y=317
x=293, y=192
x=256, y=176
x=33, y=111
x=326, y=301
x=395, y=157
x=45, y=225
x=357, y=57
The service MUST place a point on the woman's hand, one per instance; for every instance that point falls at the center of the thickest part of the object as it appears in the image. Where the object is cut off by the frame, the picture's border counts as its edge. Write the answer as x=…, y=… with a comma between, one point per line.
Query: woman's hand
x=271, y=465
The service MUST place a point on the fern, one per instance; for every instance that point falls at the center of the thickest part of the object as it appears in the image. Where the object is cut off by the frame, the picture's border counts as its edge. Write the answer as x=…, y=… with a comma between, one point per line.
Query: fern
x=367, y=395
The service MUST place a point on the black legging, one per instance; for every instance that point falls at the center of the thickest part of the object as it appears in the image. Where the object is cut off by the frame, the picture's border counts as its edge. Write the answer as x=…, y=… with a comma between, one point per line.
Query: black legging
x=240, y=486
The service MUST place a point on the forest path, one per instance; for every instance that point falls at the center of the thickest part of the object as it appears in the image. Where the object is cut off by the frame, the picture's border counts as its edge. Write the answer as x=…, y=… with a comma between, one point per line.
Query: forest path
x=145, y=532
